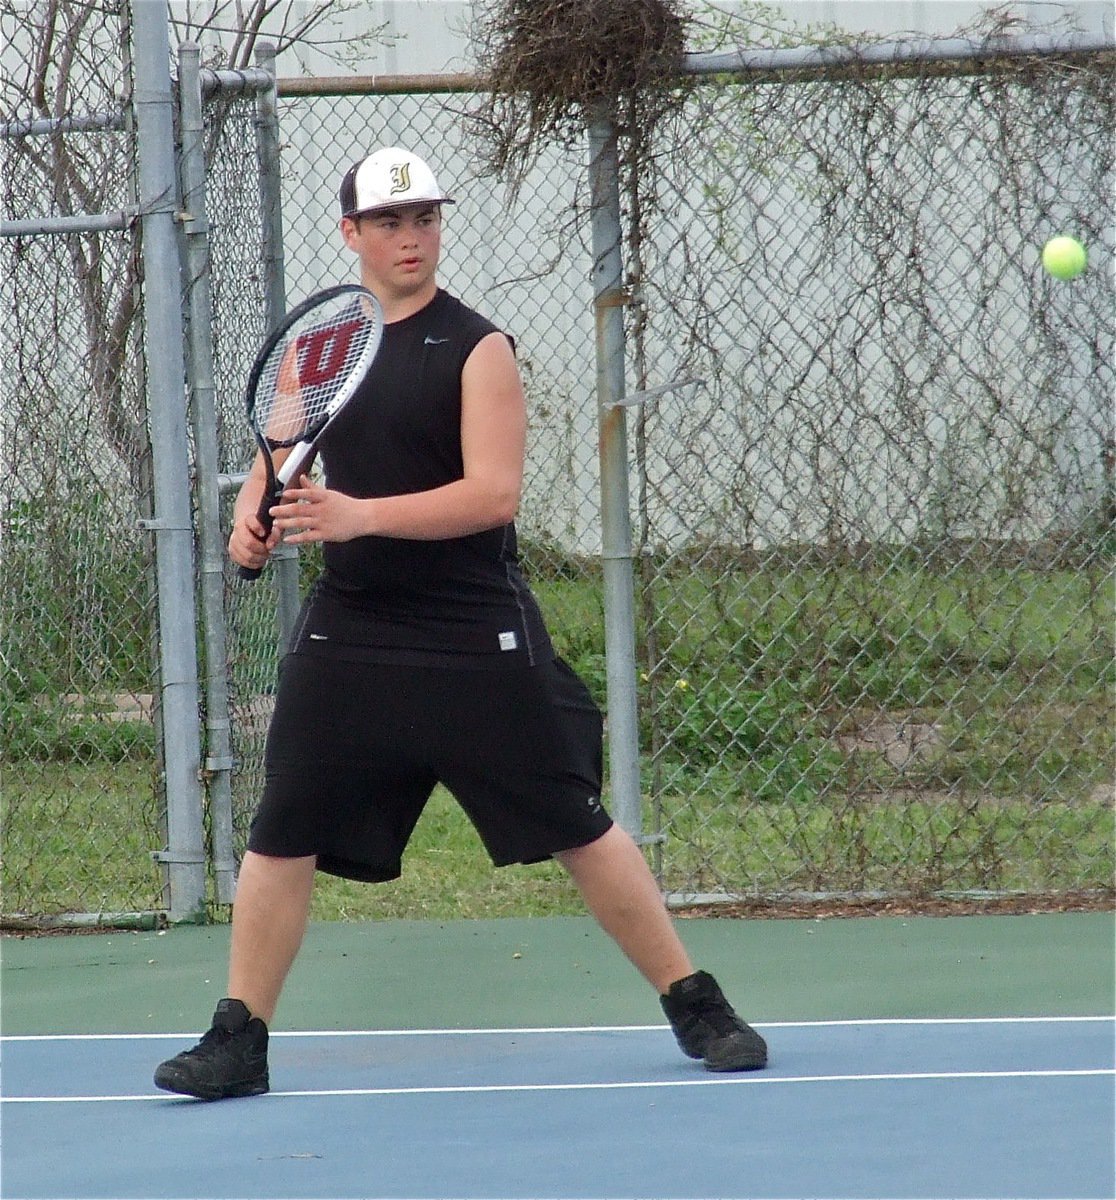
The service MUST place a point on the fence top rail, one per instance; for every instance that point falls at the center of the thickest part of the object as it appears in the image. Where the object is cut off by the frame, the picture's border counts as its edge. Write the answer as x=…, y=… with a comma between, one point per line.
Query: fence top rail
x=903, y=57
x=77, y=223
x=379, y=85
x=244, y=81
x=38, y=126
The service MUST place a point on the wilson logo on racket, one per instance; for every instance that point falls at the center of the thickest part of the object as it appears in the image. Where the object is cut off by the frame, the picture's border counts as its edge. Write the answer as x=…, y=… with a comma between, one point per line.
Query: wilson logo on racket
x=323, y=353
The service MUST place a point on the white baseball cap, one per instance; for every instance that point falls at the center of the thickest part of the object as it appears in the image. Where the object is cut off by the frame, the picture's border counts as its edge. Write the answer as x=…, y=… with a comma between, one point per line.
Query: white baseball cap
x=389, y=178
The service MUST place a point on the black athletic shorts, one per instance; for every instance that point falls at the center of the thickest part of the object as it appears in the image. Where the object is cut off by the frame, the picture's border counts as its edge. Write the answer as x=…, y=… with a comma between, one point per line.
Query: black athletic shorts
x=355, y=749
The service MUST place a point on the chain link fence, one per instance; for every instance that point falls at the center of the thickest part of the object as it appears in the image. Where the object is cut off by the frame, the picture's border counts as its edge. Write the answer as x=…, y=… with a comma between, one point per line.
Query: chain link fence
x=82, y=801
x=876, y=541
x=874, y=535
x=240, y=304
x=873, y=525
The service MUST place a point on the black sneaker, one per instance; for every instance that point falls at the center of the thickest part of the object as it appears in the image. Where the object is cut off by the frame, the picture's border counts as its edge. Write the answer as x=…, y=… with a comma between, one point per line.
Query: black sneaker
x=230, y=1060
x=707, y=1027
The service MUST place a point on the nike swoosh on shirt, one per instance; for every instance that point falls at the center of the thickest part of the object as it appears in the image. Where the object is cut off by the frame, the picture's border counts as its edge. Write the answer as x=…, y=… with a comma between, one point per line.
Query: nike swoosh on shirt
x=429, y=341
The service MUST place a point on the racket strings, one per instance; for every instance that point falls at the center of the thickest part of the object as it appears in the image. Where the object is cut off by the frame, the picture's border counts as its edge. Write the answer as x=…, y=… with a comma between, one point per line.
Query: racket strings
x=307, y=371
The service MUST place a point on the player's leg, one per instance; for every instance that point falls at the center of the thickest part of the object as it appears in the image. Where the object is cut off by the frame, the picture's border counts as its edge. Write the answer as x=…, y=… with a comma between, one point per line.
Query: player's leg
x=268, y=925
x=621, y=893
x=521, y=751
x=269, y=921
x=337, y=798
x=269, y=914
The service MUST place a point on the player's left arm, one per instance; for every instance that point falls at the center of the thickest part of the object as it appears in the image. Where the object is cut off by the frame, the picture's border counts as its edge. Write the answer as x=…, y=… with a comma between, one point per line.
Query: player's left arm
x=493, y=439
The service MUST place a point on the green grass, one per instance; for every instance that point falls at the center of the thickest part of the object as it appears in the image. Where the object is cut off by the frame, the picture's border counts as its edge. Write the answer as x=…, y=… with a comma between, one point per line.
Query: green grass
x=910, y=847
x=96, y=853
x=760, y=687
x=82, y=836
x=78, y=836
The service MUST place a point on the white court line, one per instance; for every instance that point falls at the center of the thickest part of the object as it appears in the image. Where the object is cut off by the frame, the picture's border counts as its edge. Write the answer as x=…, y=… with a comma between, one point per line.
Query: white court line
x=545, y=1029
x=472, y=1089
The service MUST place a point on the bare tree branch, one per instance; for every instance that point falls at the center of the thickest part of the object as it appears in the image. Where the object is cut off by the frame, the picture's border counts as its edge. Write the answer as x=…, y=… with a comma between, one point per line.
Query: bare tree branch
x=72, y=63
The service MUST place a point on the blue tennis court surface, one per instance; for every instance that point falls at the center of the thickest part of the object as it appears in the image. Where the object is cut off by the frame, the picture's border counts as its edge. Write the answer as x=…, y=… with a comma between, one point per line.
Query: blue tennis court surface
x=898, y=1108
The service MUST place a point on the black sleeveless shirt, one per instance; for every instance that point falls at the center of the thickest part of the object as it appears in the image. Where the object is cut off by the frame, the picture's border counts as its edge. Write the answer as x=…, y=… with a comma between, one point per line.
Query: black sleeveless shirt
x=455, y=601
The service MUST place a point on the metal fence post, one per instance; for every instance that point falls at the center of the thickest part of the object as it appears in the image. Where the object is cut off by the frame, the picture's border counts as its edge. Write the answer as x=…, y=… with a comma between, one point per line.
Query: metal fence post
x=616, y=534
x=211, y=543
x=285, y=560
x=172, y=527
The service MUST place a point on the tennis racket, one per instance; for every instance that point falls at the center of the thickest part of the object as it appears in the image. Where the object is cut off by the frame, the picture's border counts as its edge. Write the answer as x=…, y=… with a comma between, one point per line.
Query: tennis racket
x=303, y=376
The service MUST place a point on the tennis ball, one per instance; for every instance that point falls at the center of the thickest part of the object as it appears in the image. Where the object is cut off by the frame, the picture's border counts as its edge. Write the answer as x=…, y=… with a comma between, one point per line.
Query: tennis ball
x=1064, y=257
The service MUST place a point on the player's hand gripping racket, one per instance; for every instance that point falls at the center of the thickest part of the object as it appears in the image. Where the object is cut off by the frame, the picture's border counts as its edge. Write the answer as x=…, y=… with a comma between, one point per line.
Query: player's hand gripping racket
x=303, y=376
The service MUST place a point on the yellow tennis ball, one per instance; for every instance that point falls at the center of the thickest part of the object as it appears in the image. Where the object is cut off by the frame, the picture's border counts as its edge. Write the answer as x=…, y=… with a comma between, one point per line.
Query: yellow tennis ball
x=1064, y=257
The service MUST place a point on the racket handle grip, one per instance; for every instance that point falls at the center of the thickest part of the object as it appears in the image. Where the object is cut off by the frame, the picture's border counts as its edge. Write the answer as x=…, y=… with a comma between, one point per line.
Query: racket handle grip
x=264, y=517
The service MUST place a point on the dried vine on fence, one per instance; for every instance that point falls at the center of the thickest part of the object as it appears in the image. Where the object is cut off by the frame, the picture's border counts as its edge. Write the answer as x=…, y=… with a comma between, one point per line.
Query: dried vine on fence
x=552, y=64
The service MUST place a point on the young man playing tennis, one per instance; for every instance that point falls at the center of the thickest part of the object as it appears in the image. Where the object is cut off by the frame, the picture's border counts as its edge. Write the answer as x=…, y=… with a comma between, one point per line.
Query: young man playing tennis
x=425, y=648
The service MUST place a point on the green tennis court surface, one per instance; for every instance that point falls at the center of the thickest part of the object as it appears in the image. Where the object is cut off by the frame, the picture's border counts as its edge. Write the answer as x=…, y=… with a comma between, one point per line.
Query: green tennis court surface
x=911, y=1056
